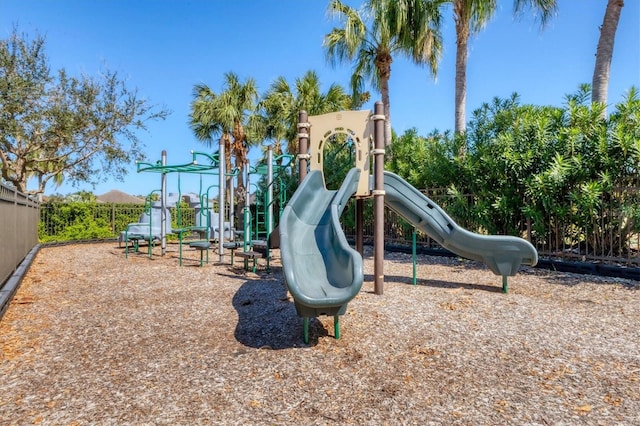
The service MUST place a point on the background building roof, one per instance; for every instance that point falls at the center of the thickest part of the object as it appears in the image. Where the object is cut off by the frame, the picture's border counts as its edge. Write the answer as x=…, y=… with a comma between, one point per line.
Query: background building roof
x=118, y=197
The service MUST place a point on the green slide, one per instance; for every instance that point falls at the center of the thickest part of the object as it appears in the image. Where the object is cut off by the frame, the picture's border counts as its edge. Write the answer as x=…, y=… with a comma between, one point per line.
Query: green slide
x=323, y=273
x=502, y=254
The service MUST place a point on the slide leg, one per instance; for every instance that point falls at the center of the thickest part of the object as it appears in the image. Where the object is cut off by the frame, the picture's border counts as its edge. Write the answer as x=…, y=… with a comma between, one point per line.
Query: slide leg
x=414, y=255
x=305, y=330
x=336, y=326
x=505, y=286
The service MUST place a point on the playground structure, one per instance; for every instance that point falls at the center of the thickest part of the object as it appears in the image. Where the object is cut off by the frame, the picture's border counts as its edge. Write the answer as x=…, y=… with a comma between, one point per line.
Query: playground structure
x=155, y=225
x=210, y=225
x=148, y=226
x=322, y=272
x=259, y=233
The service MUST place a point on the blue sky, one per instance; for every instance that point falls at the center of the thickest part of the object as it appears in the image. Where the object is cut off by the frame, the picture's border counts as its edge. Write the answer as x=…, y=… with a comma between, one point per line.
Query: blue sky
x=164, y=48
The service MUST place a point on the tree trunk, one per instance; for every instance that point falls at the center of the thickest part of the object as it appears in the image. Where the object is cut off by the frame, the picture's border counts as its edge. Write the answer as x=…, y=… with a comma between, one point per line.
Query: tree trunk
x=384, y=89
x=240, y=198
x=462, y=39
x=383, y=64
x=604, y=53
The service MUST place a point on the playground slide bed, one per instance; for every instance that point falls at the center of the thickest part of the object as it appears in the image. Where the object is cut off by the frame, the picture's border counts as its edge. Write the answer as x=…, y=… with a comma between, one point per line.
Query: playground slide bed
x=94, y=338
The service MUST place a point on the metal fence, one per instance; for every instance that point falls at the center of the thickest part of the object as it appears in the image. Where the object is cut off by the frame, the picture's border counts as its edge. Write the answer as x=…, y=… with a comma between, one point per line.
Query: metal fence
x=95, y=221
x=611, y=238
x=19, y=216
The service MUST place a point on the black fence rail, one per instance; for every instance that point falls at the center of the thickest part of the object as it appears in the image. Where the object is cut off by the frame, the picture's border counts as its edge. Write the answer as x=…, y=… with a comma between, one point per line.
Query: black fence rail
x=94, y=221
x=607, y=235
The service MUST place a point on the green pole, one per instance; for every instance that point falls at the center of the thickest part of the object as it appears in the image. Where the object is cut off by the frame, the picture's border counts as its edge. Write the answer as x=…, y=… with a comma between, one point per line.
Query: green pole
x=178, y=207
x=413, y=250
x=269, y=212
x=305, y=329
x=247, y=214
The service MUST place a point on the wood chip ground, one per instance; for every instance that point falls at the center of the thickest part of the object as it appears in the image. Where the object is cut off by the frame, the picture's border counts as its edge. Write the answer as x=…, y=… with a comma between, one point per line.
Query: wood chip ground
x=94, y=338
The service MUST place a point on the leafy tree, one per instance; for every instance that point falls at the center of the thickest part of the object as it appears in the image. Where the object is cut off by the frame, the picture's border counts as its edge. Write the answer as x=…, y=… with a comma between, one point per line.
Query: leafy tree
x=82, y=197
x=566, y=175
x=470, y=17
x=569, y=171
x=508, y=144
x=385, y=28
x=56, y=127
x=425, y=162
x=604, y=52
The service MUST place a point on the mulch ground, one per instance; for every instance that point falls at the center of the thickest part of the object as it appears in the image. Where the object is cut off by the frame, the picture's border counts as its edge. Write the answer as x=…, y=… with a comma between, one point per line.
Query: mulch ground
x=94, y=338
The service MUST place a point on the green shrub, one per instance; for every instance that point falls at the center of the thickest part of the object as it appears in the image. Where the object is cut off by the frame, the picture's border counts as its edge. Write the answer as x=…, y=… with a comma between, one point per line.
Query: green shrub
x=565, y=174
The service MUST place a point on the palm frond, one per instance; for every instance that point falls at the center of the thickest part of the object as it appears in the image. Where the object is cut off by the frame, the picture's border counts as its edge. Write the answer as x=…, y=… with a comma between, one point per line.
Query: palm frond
x=480, y=13
x=343, y=43
x=543, y=10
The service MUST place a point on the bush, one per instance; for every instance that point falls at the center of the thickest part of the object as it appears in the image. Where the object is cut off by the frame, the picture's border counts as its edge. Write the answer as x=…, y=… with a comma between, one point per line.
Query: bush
x=565, y=174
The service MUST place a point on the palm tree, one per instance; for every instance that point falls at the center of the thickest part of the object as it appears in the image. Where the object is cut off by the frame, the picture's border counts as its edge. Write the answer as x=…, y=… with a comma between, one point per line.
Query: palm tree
x=281, y=104
x=204, y=120
x=604, y=53
x=226, y=115
x=385, y=28
x=470, y=17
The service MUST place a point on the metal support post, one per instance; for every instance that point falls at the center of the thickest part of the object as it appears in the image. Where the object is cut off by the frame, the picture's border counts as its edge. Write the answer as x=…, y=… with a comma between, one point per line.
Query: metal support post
x=163, y=206
x=360, y=226
x=269, y=224
x=303, y=145
x=414, y=255
x=378, y=199
x=221, y=189
x=246, y=228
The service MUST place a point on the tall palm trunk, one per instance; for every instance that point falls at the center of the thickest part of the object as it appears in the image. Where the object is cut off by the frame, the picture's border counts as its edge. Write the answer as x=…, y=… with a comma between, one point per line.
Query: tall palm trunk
x=226, y=139
x=383, y=64
x=604, y=53
x=240, y=152
x=462, y=40
x=384, y=89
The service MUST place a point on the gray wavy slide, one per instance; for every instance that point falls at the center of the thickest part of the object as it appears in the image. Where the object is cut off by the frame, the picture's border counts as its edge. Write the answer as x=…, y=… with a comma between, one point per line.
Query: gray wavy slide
x=502, y=254
x=323, y=273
